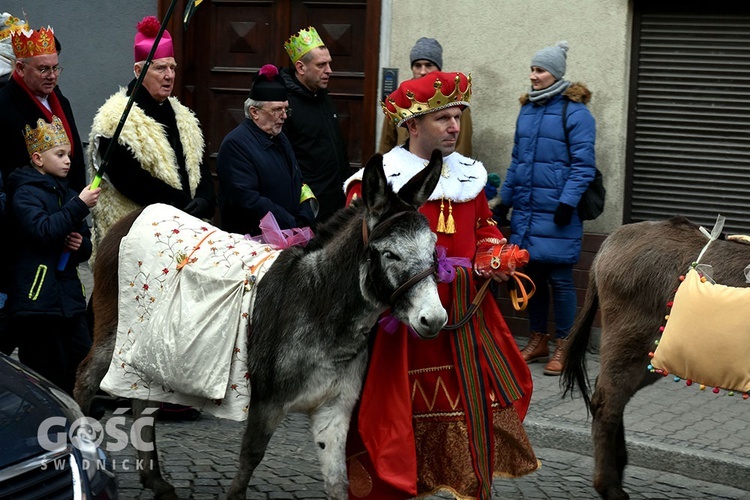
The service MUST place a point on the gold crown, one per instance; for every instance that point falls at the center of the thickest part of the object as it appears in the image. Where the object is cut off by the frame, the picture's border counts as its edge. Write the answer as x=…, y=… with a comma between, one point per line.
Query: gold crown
x=302, y=43
x=30, y=43
x=439, y=100
x=45, y=136
x=10, y=24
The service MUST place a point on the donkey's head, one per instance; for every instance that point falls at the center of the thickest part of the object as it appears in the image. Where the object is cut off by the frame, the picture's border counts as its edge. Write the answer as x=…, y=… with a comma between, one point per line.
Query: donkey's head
x=399, y=269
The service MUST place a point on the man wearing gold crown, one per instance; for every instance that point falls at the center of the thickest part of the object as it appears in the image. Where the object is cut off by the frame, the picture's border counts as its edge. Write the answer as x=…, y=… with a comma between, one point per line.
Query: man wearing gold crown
x=32, y=93
x=441, y=414
x=159, y=155
x=313, y=129
x=46, y=218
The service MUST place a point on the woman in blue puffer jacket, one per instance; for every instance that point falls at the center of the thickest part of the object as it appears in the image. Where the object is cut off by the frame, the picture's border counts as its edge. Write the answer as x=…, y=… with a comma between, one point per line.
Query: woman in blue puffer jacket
x=545, y=180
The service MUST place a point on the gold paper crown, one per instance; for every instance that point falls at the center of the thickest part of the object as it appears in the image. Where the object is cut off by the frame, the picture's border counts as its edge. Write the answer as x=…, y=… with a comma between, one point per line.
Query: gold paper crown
x=438, y=100
x=302, y=43
x=10, y=24
x=45, y=136
x=30, y=43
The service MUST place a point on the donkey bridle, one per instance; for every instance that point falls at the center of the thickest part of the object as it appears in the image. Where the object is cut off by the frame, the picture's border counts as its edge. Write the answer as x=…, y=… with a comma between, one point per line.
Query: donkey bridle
x=401, y=290
x=404, y=287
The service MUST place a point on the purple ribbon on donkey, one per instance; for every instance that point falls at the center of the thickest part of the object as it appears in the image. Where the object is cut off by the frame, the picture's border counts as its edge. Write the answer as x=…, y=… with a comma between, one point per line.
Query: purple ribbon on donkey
x=446, y=273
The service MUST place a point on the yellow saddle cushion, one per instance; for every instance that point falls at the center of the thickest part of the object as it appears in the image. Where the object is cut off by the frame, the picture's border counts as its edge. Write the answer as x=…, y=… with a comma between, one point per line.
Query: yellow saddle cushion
x=707, y=336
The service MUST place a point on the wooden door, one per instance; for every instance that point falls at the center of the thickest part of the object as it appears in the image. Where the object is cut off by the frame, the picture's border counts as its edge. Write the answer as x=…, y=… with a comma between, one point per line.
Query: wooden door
x=227, y=41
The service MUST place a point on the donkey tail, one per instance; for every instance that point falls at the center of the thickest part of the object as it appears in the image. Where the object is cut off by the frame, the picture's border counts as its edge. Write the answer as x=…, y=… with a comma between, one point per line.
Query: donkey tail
x=574, y=371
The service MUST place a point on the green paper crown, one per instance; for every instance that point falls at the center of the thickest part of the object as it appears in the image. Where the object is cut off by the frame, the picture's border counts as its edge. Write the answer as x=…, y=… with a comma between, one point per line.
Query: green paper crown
x=300, y=44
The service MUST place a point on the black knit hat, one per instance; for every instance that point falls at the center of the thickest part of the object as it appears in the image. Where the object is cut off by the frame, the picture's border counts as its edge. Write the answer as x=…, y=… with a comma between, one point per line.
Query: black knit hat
x=268, y=85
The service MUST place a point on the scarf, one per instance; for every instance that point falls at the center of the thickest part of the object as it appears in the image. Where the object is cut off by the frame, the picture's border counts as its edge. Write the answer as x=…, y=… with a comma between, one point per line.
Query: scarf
x=54, y=103
x=539, y=96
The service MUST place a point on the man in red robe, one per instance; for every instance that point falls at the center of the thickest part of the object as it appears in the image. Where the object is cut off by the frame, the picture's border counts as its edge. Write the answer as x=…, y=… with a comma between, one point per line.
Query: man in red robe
x=442, y=414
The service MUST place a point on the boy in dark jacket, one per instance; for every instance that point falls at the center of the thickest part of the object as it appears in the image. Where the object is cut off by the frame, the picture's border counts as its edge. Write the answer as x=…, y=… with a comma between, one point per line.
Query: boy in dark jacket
x=46, y=301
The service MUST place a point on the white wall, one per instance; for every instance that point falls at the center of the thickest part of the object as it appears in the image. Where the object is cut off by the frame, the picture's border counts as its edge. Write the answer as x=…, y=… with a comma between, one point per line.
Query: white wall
x=495, y=41
x=97, y=46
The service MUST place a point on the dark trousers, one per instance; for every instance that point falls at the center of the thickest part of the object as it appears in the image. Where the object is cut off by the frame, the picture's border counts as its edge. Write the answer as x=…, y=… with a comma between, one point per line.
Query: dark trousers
x=558, y=277
x=53, y=346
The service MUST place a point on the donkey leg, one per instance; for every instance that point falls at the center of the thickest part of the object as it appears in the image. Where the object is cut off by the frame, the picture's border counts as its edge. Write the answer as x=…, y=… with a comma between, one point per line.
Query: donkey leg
x=144, y=413
x=262, y=420
x=610, y=453
x=622, y=373
x=329, y=424
x=92, y=370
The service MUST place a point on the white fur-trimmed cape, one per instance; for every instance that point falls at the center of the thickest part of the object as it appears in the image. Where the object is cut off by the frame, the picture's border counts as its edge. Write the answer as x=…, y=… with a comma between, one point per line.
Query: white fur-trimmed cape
x=465, y=177
x=147, y=142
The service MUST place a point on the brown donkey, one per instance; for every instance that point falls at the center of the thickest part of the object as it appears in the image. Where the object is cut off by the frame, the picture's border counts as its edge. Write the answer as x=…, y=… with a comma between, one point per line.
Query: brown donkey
x=632, y=278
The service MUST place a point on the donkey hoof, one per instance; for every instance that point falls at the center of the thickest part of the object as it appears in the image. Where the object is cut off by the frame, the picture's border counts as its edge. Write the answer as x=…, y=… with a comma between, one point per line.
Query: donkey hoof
x=162, y=489
x=169, y=494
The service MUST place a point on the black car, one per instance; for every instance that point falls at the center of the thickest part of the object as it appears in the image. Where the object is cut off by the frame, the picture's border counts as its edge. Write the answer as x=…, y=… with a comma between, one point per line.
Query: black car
x=39, y=458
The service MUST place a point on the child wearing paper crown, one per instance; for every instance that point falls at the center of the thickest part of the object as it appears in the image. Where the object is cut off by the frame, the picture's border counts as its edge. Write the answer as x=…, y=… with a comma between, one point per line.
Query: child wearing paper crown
x=46, y=306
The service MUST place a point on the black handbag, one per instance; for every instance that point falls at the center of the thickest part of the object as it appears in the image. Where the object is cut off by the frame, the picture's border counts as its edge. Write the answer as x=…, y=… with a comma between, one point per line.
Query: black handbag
x=591, y=205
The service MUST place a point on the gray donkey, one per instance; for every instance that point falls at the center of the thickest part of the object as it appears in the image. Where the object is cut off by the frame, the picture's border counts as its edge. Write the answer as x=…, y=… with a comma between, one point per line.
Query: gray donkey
x=313, y=313
x=632, y=278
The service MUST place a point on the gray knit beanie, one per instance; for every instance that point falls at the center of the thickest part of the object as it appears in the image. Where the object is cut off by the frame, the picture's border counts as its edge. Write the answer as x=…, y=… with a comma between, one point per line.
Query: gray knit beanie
x=427, y=48
x=552, y=59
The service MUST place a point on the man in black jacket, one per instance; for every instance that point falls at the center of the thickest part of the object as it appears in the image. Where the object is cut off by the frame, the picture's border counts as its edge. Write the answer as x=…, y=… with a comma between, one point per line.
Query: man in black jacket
x=314, y=129
x=32, y=93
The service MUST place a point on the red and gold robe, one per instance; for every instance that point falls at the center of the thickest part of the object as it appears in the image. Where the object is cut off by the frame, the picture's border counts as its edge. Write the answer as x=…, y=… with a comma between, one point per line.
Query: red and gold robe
x=411, y=433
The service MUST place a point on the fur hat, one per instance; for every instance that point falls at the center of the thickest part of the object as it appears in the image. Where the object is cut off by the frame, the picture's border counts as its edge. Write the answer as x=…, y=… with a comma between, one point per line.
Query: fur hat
x=552, y=59
x=148, y=28
x=429, y=49
x=268, y=85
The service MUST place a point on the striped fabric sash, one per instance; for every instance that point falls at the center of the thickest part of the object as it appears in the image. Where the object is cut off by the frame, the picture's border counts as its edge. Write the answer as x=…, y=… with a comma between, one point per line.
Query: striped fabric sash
x=481, y=368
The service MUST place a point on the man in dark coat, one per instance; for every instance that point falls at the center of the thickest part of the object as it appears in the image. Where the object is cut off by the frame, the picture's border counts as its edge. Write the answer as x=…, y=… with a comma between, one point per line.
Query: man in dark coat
x=158, y=157
x=314, y=129
x=32, y=93
x=257, y=169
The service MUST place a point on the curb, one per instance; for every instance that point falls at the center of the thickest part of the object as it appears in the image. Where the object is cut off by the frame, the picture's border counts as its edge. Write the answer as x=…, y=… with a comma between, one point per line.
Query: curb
x=715, y=467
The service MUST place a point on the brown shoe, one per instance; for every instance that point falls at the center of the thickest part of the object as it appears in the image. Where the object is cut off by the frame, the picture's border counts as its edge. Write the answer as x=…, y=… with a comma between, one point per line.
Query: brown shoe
x=555, y=365
x=537, y=348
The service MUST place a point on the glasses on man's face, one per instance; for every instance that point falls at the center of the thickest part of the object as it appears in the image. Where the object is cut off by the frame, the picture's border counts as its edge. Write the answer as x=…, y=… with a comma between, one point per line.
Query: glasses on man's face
x=47, y=70
x=276, y=112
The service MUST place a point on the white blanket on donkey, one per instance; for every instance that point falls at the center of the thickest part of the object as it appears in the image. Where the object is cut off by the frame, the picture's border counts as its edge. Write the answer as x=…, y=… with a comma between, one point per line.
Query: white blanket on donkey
x=182, y=329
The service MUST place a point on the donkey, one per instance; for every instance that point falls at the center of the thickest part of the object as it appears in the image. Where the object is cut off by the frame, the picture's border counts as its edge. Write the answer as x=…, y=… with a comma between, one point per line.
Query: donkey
x=313, y=313
x=632, y=278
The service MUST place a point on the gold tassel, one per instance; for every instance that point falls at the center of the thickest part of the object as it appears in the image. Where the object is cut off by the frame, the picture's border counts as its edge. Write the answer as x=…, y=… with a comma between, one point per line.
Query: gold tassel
x=450, y=226
x=441, y=220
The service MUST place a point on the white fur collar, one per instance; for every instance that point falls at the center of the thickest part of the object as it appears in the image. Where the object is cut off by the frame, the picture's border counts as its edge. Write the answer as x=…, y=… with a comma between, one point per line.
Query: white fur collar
x=462, y=180
x=146, y=140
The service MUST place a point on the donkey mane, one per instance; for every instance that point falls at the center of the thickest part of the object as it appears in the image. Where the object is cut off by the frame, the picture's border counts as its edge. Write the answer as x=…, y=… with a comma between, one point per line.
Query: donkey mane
x=330, y=228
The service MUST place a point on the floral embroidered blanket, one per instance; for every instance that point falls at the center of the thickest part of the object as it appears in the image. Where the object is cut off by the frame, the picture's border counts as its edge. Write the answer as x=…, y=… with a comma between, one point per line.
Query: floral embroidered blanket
x=186, y=290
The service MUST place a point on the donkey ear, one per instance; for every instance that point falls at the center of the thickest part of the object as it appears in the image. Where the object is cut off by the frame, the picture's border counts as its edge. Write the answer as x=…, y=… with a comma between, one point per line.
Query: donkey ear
x=423, y=184
x=375, y=187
